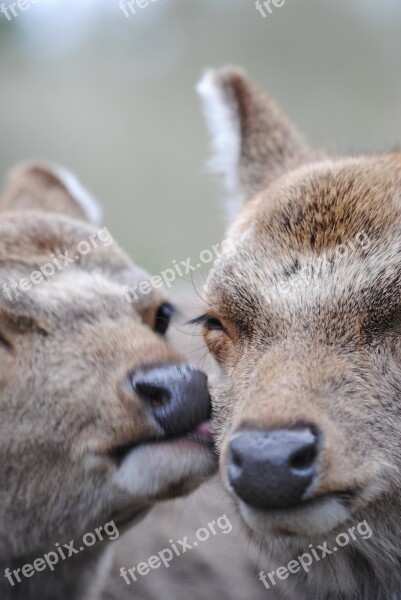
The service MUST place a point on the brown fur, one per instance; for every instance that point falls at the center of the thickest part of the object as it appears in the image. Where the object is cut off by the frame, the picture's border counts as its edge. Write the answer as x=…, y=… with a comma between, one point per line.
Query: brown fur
x=309, y=335
x=67, y=347
x=224, y=567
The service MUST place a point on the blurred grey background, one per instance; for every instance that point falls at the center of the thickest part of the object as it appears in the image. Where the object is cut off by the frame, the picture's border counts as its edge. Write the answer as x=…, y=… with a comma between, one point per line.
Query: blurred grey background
x=113, y=99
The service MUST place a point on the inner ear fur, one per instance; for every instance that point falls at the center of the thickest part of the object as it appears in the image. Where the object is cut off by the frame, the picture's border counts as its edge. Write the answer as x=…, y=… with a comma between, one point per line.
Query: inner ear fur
x=253, y=141
x=47, y=188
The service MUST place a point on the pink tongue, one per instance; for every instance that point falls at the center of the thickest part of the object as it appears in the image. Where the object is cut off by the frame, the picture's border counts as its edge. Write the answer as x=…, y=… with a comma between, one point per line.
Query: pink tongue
x=205, y=429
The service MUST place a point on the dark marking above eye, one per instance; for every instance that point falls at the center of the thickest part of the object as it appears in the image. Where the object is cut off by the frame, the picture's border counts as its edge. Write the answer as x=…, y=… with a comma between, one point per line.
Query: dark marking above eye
x=163, y=317
x=22, y=324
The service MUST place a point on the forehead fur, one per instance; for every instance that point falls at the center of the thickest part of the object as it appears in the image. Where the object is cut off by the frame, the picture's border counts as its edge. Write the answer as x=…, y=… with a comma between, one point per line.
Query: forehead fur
x=82, y=283
x=282, y=253
x=30, y=237
x=320, y=206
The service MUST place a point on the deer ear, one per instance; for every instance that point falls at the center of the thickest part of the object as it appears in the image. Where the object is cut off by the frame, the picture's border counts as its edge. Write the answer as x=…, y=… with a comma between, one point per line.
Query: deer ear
x=36, y=186
x=253, y=141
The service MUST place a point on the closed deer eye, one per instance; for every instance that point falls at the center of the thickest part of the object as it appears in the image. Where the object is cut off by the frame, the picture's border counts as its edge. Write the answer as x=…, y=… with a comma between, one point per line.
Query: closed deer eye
x=163, y=318
x=216, y=336
x=209, y=322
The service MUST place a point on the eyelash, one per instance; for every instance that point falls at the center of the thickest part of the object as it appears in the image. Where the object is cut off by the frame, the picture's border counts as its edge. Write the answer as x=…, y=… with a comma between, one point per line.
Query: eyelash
x=209, y=322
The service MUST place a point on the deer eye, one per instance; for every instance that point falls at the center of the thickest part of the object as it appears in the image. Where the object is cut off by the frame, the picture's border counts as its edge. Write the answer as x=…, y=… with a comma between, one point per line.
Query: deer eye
x=163, y=318
x=209, y=322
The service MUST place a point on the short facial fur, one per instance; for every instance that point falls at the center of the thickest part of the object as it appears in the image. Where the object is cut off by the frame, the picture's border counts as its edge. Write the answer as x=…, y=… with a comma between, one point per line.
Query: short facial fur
x=304, y=319
x=78, y=447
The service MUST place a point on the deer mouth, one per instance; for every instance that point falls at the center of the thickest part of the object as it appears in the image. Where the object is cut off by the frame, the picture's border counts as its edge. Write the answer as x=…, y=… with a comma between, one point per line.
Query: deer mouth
x=165, y=467
x=201, y=435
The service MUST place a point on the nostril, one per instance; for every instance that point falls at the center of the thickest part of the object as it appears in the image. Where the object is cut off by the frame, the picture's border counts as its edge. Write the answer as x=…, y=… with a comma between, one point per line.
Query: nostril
x=155, y=396
x=236, y=463
x=236, y=460
x=304, y=459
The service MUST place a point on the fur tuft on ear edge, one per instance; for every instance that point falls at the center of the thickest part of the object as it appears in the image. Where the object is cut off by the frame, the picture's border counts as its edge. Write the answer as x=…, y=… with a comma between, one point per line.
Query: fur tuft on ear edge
x=87, y=202
x=253, y=141
x=49, y=188
x=224, y=129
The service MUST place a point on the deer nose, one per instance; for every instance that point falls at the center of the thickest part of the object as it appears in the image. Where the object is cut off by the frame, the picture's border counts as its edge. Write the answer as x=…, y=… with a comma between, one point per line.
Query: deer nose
x=273, y=469
x=178, y=396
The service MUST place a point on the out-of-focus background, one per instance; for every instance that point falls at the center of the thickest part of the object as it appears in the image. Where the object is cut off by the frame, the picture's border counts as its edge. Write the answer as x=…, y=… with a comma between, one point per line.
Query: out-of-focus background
x=112, y=97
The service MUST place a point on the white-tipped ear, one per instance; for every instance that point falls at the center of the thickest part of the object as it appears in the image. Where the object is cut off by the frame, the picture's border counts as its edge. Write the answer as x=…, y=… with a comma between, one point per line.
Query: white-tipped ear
x=253, y=142
x=49, y=188
x=224, y=128
x=86, y=201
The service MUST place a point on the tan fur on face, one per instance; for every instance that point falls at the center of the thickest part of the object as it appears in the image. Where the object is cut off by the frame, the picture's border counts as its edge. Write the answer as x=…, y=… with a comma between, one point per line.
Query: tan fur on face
x=308, y=292
x=67, y=348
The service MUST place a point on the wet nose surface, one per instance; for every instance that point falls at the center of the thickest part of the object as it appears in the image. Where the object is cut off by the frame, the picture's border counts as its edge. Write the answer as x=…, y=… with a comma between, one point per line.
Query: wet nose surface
x=177, y=395
x=272, y=469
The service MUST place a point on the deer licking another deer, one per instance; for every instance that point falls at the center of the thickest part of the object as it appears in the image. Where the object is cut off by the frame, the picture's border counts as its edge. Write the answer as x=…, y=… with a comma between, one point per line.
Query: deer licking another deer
x=99, y=417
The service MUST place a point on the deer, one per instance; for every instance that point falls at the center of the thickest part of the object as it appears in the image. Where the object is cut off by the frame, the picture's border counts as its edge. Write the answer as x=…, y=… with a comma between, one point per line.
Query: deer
x=100, y=418
x=303, y=318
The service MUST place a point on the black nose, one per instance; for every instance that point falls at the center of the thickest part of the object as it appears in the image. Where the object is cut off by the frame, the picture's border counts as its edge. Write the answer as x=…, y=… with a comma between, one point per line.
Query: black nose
x=273, y=469
x=177, y=395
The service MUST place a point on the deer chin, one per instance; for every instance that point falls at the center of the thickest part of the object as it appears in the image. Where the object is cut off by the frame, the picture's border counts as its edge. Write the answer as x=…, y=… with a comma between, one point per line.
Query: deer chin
x=313, y=518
